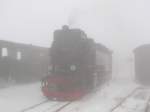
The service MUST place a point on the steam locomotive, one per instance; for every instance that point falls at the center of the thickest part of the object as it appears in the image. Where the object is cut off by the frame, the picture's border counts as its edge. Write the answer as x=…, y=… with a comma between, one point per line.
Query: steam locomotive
x=77, y=65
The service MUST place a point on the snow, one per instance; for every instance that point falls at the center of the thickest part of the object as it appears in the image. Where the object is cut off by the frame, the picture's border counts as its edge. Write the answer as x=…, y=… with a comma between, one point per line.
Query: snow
x=104, y=99
x=137, y=103
x=15, y=98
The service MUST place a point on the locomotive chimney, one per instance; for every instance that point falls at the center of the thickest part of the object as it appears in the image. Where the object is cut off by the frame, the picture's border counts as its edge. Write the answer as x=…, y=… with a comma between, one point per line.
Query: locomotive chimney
x=65, y=27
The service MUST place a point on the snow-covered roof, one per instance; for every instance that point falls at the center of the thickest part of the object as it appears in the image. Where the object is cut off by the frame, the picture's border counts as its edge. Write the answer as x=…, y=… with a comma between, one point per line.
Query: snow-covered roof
x=142, y=48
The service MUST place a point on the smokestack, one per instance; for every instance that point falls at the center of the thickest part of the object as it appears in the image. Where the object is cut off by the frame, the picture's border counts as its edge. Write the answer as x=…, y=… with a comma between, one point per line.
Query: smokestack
x=73, y=17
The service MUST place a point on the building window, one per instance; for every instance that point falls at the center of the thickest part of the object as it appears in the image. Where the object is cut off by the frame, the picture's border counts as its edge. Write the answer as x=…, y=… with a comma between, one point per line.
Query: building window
x=19, y=55
x=4, y=52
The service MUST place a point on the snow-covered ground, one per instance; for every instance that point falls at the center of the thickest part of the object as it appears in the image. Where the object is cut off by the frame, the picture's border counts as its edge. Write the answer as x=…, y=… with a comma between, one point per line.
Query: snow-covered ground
x=136, y=103
x=17, y=98
x=104, y=100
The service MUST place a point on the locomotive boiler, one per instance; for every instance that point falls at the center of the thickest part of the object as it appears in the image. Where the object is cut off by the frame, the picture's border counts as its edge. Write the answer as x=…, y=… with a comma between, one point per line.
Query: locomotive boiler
x=77, y=65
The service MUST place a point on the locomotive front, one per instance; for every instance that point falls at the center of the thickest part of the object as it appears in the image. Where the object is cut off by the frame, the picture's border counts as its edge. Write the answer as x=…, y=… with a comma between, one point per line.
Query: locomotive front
x=72, y=59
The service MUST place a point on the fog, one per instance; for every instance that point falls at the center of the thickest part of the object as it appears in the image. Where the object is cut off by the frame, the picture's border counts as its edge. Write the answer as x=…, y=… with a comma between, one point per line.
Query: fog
x=121, y=25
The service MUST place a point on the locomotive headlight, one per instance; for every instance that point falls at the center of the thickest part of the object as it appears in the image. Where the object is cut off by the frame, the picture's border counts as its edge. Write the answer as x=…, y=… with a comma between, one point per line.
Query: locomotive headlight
x=46, y=83
x=73, y=68
x=43, y=84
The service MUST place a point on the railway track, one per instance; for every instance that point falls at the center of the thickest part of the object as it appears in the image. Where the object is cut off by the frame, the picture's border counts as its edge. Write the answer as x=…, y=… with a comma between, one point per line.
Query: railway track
x=47, y=106
x=137, y=101
x=125, y=99
x=51, y=106
x=34, y=106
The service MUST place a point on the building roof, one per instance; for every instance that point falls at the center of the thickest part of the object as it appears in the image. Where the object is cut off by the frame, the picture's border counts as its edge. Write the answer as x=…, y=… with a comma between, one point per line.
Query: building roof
x=142, y=48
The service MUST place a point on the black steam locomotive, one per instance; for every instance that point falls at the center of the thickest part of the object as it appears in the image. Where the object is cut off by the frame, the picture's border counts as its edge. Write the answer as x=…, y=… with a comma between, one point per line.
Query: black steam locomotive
x=77, y=65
